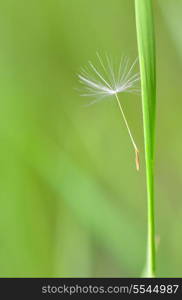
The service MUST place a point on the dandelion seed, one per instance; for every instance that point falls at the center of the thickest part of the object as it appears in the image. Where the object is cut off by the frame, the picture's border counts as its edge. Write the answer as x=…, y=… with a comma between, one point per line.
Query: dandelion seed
x=110, y=81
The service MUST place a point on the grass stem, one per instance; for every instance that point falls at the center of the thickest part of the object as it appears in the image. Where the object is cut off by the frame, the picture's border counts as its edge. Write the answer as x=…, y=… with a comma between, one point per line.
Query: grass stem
x=146, y=49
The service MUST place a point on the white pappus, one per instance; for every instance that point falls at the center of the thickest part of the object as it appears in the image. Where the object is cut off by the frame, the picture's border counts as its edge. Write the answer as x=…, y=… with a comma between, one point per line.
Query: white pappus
x=110, y=81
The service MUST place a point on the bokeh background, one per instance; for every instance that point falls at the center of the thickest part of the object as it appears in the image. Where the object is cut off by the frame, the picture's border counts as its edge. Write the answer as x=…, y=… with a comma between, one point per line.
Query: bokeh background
x=71, y=201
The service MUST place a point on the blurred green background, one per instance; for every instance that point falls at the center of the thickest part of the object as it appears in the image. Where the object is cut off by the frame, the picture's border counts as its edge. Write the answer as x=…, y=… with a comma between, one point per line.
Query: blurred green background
x=71, y=201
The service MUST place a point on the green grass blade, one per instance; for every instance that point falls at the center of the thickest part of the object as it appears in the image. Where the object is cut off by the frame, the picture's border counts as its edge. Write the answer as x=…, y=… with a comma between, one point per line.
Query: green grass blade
x=146, y=48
